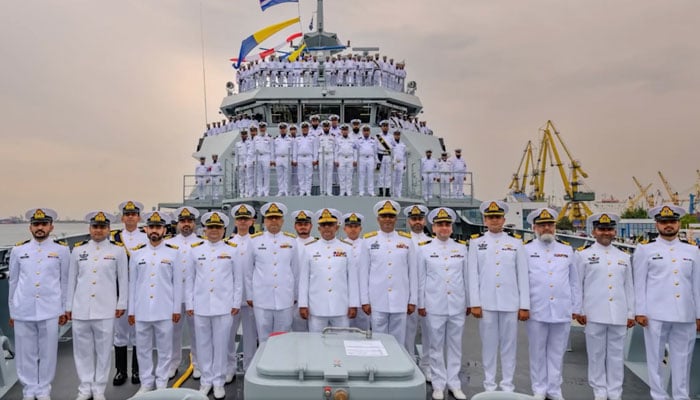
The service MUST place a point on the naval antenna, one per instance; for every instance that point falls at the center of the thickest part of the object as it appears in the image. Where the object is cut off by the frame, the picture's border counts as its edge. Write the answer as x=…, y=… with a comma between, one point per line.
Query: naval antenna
x=319, y=16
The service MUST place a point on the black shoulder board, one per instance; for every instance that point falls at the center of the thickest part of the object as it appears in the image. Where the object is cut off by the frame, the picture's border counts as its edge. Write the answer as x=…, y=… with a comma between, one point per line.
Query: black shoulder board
x=61, y=242
x=197, y=244
x=313, y=241
x=114, y=242
x=585, y=246
x=78, y=244
x=172, y=246
x=21, y=243
x=476, y=235
x=515, y=235
x=424, y=242
x=563, y=242
x=141, y=246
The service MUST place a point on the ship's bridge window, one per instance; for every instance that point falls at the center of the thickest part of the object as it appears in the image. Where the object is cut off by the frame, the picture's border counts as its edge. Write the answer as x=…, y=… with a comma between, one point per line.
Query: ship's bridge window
x=256, y=113
x=284, y=113
x=385, y=112
x=323, y=110
x=358, y=111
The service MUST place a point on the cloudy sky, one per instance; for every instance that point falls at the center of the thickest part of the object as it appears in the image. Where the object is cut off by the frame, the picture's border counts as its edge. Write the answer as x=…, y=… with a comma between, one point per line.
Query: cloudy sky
x=103, y=101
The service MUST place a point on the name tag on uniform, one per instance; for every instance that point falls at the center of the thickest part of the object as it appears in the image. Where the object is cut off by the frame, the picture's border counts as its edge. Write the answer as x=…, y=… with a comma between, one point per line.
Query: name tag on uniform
x=52, y=255
x=166, y=261
x=535, y=255
x=657, y=257
x=561, y=255
x=24, y=256
x=621, y=262
x=201, y=258
x=110, y=257
x=508, y=247
x=142, y=262
x=456, y=256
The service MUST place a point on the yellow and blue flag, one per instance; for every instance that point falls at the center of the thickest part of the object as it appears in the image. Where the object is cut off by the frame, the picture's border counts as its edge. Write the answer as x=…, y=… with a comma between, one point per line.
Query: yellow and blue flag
x=258, y=37
x=265, y=4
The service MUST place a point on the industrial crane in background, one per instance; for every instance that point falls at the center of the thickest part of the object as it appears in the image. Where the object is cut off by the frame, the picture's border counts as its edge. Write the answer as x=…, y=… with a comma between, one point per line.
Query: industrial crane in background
x=520, y=182
x=644, y=191
x=673, y=195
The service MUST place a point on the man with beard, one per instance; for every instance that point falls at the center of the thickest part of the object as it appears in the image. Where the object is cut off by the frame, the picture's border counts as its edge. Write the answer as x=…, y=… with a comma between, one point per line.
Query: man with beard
x=282, y=154
x=388, y=275
x=345, y=160
x=293, y=174
x=243, y=217
x=272, y=273
x=499, y=293
x=352, y=226
x=216, y=177
x=214, y=294
x=385, y=143
x=367, y=159
x=305, y=158
x=415, y=219
x=429, y=173
x=37, y=298
x=554, y=300
x=355, y=126
x=200, y=176
x=186, y=220
x=667, y=301
x=263, y=152
x=124, y=334
x=155, y=300
x=459, y=173
x=251, y=161
x=97, y=267
x=302, y=226
x=328, y=291
x=241, y=153
x=326, y=153
x=608, y=306
x=398, y=163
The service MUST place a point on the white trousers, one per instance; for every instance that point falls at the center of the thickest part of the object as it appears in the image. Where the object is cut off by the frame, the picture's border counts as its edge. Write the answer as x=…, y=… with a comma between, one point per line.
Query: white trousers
x=177, y=340
x=425, y=342
x=246, y=318
x=681, y=341
x=250, y=179
x=217, y=182
x=294, y=181
x=606, y=368
x=316, y=324
x=201, y=188
x=305, y=171
x=263, y=175
x=242, y=181
x=391, y=323
x=269, y=321
x=124, y=334
x=282, y=170
x=445, y=338
x=547, y=344
x=326, y=174
x=213, y=335
x=427, y=186
x=92, y=353
x=345, y=169
x=384, y=178
x=397, y=178
x=160, y=333
x=458, y=184
x=366, y=175
x=498, y=329
x=36, y=349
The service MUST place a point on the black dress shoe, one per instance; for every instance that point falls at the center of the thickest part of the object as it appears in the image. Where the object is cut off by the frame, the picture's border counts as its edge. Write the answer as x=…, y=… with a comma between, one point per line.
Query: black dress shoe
x=135, y=378
x=119, y=378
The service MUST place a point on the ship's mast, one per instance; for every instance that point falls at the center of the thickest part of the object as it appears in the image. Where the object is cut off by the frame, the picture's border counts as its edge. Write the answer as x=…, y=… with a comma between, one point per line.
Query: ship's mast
x=319, y=15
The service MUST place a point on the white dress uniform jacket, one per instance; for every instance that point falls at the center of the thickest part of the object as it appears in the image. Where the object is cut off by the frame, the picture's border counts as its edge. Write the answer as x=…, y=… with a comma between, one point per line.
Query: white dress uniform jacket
x=443, y=277
x=215, y=280
x=388, y=271
x=328, y=281
x=272, y=274
x=498, y=273
x=155, y=284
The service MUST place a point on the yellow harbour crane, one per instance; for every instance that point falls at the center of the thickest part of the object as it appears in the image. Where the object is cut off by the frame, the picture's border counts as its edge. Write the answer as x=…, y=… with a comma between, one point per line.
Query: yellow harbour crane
x=644, y=191
x=674, y=197
x=520, y=180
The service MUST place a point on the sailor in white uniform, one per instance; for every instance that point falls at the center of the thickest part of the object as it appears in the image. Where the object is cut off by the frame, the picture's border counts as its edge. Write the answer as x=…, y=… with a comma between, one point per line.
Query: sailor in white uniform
x=443, y=296
x=388, y=275
x=282, y=151
x=326, y=158
x=97, y=266
x=415, y=221
x=263, y=153
x=303, y=223
x=554, y=301
x=155, y=300
x=216, y=177
x=398, y=163
x=201, y=173
x=293, y=174
x=251, y=161
x=368, y=158
x=272, y=274
x=445, y=177
x=243, y=217
x=241, y=154
x=385, y=144
x=499, y=293
x=305, y=157
x=428, y=170
x=667, y=301
x=328, y=282
x=459, y=173
x=315, y=128
x=214, y=293
x=186, y=224
x=345, y=160
x=352, y=226
x=37, y=297
x=608, y=306
x=125, y=334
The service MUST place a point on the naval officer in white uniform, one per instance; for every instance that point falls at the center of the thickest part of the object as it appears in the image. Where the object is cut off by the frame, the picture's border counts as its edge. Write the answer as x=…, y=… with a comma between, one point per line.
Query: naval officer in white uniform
x=186, y=224
x=667, y=301
x=443, y=296
x=352, y=226
x=97, y=266
x=499, y=293
x=328, y=283
x=214, y=293
x=271, y=279
x=607, y=306
x=155, y=300
x=554, y=297
x=303, y=223
x=388, y=274
x=37, y=297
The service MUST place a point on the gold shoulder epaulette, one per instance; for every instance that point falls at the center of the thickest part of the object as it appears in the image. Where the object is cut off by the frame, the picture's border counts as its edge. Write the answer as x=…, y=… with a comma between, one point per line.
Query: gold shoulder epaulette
x=313, y=241
x=345, y=241
x=61, y=242
x=82, y=242
x=23, y=242
x=423, y=243
x=563, y=242
x=370, y=234
x=291, y=235
x=475, y=235
x=464, y=242
x=527, y=241
x=256, y=234
x=232, y=244
x=197, y=244
x=166, y=237
x=141, y=246
x=114, y=242
x=515, y=235
x=172, y=246
x=404, y=234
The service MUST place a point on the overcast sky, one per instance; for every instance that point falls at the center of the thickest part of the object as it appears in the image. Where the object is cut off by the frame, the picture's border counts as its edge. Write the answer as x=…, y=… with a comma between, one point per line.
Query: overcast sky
x=103, y=101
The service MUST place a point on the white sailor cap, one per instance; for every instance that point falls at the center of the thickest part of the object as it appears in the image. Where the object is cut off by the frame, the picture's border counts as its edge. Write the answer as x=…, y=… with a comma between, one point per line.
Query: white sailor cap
x=333, y=117
x=100, y=218
x=442, y=214
x=253, y=127
x=262, y=124
x=304, y=124
x=315, y=116
x=604, y=220
x=130, y=206
x=495, y=207
x=384, y=122
x=302, y=216
x=40, y=215
x=355, y=121
x=353, y=218
x=273, y=209
x=416, y=210
x=214, y=218
x=282, y=125
x=344, y=127
x=542, y=216
x=327, y=215
x=326, y=122
x=366, y=127
x=242, y=211
x=666, y=212
x=186, y=212
x=156, y=218
x=292, y=126
x=385, y=207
